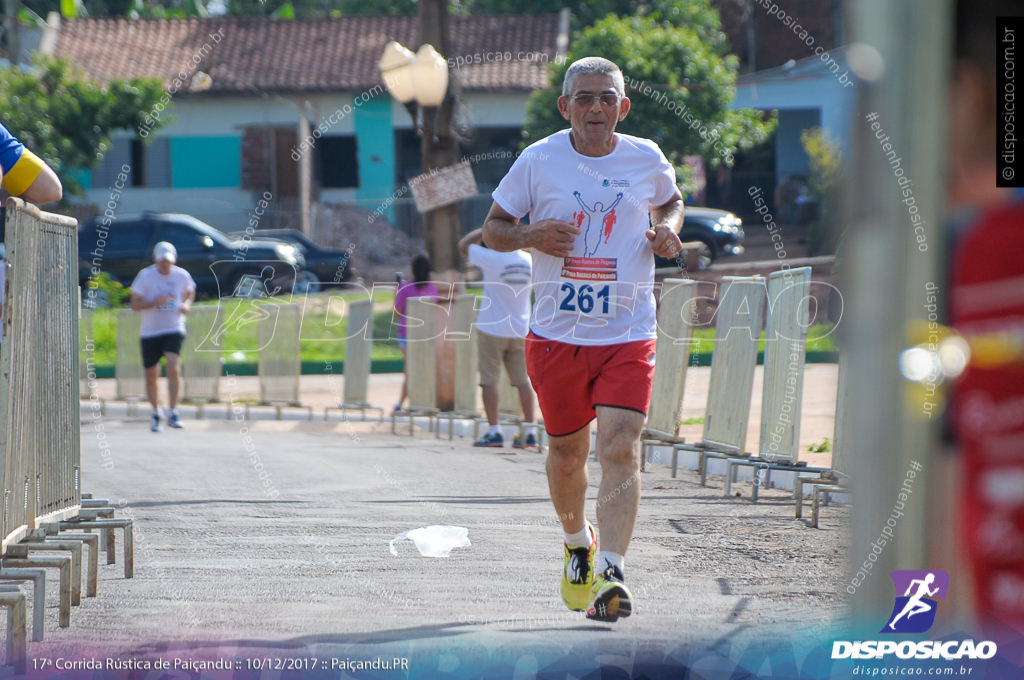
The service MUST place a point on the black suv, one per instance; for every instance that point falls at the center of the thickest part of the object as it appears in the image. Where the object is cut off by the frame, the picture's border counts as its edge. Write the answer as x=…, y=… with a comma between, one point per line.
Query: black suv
x=720, y=231
x=216, y=262
x=323, y=265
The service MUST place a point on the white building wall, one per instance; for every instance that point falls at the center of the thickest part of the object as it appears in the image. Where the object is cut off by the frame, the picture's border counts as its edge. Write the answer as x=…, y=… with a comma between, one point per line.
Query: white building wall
x=228, y=208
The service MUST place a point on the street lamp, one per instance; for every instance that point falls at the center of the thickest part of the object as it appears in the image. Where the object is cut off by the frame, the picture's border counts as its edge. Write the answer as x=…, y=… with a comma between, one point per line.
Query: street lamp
x=422, y=76
x=419, y=81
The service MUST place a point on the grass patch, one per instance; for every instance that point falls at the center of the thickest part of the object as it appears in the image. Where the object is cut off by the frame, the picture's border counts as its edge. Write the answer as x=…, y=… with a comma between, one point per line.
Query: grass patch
x=820, y=338
x=699, y=420
x=324, y=327
x=823, y=447
x=322, y=332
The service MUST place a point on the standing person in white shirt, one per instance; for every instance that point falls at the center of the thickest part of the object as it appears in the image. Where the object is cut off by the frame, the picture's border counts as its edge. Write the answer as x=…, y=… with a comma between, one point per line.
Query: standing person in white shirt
x=501, y=326
x=163, y=292
x=601, y=204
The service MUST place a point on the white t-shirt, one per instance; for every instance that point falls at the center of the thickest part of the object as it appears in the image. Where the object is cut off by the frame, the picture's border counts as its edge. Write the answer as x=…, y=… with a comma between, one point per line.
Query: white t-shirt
x=603, y=293
x=505, y=305
x=151, y=284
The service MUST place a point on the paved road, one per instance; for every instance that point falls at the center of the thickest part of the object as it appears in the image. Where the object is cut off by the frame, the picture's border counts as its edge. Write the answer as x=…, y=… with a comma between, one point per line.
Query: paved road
x=273, y=537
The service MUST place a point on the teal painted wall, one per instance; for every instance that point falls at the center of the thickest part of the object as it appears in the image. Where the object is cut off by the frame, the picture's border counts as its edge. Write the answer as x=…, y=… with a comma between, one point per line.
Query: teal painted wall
x=206, y=162
x=84, y=177
x=375, y=149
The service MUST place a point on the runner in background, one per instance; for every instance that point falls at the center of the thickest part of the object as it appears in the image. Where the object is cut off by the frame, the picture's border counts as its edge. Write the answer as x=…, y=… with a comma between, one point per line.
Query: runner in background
x=501, y=326
x=163, y=292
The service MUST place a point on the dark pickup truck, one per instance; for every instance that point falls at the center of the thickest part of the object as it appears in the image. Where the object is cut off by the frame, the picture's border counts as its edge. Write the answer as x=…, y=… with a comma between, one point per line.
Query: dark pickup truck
x=123, y=246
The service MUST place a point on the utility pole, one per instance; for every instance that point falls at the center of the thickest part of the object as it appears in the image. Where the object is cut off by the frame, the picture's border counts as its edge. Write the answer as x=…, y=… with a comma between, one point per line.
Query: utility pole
x=12, y=32
x=439, y=145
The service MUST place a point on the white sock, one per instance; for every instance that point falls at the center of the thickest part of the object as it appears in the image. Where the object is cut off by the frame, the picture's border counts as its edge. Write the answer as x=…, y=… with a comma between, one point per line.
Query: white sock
x=607, y=559
x=579, y=539
x=174, y=411
x=531, y=430
x=495, y=429
x=157, y=412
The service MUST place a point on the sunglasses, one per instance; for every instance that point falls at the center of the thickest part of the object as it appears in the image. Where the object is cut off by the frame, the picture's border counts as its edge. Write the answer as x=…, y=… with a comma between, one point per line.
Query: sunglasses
x=587, y=99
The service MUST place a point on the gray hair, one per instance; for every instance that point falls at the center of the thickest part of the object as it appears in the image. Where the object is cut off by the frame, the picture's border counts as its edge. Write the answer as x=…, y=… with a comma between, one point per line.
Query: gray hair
x=593, y=65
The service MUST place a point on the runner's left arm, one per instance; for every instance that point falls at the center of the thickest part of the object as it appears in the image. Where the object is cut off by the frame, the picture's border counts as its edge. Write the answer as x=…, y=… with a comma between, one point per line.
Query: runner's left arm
x=187, y=299
x=666, y=219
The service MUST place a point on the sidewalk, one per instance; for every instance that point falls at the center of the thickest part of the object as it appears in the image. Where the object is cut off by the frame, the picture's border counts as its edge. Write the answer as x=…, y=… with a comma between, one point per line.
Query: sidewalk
x=321, y=391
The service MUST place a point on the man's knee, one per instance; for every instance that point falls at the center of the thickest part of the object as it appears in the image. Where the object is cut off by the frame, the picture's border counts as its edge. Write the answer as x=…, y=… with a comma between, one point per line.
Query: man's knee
x=566, y=458
x=618, y=446
x=618, y=450
x=563, y=466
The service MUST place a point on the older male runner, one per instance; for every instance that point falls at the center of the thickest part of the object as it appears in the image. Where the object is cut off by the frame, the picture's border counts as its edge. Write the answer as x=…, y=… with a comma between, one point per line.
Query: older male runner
x=590, y=351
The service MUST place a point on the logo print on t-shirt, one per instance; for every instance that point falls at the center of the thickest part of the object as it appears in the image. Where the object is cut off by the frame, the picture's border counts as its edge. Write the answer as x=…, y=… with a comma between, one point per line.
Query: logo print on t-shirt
x=595, y=229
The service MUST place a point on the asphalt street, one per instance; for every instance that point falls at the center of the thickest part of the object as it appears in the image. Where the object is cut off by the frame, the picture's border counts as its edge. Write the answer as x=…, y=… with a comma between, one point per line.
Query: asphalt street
x=267, y=539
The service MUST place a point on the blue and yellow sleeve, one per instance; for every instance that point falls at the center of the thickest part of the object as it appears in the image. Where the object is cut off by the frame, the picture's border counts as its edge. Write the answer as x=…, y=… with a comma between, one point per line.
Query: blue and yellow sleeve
x=20, y=166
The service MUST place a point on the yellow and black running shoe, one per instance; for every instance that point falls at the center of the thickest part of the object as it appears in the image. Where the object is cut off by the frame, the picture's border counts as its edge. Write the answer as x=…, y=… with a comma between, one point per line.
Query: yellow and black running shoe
x=612, y=600
x=578, y=575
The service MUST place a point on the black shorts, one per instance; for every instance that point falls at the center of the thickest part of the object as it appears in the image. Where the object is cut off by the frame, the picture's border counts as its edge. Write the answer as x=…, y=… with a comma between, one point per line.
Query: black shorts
x=155, y=347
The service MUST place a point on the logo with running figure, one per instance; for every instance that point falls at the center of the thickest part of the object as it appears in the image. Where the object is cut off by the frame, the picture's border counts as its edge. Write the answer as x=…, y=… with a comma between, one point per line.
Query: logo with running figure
x=914, y=611
x=596, y=222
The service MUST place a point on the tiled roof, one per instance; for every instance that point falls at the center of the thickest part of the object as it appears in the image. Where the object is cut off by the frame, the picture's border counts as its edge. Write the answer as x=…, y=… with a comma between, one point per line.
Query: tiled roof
x=255, y=55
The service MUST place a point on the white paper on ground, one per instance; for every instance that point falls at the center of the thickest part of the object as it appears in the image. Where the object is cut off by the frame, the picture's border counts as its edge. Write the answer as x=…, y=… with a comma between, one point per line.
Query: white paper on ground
x=434, y=541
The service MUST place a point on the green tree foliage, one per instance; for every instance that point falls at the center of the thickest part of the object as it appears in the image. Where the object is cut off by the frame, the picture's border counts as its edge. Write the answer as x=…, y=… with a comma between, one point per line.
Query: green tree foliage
x=826, y=174
x=307, y=9
x=680, y=81
x=696, y=14
x=66, y=119
x=584, y=12
x=134, y=9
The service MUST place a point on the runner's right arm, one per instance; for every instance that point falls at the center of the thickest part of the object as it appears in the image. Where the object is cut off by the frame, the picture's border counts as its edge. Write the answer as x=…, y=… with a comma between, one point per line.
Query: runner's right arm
x=503, y=232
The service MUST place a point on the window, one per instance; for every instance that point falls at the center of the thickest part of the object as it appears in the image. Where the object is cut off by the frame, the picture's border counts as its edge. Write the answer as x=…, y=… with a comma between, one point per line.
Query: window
x=150, y=163
x=338, y=162
x=184, y=239
x=129, y=236
x=154, y=159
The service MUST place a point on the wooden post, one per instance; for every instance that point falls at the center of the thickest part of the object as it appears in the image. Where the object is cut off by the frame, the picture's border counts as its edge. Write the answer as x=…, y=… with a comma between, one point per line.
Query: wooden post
x=439, y=144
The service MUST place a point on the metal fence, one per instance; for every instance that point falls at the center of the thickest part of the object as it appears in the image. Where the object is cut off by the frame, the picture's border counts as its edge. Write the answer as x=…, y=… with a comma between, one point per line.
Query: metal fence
x=421, y=355
x=131, y=376
x=675, y=330
x=733, y=361
x=358, y=351
x=784, y=355
x=279, y=362
x=87, y=387
x=464, y=309
x=201, y=367
x=40, y=453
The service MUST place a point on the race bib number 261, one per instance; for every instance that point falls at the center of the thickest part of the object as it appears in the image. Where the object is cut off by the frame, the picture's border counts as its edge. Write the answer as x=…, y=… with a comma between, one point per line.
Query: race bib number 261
x=587, y=287
x=584, y=298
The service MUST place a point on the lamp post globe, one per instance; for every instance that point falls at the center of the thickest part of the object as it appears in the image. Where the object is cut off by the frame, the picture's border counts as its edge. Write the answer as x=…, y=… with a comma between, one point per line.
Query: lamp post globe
x=396, y=67
x=430, y=74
